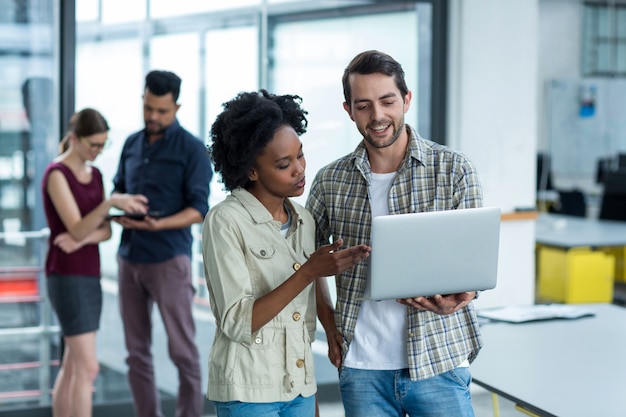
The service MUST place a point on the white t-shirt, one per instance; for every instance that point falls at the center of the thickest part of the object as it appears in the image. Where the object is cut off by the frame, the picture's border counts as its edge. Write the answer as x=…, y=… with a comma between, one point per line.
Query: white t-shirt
x=380, y=336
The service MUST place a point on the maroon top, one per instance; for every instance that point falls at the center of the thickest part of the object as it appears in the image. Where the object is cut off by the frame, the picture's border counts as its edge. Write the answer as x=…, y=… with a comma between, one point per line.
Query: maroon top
x=86, y=260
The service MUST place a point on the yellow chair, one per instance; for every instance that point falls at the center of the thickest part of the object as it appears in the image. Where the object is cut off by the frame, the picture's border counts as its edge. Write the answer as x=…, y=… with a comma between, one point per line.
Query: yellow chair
x=576, y=275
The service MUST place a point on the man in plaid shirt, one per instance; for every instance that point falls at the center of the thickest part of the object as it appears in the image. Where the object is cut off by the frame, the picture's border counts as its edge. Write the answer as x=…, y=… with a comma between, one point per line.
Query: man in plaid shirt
x=408, y=356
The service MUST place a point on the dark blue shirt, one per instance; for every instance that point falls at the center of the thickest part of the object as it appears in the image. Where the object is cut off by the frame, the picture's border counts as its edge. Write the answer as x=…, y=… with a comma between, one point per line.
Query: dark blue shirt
x=174, y=173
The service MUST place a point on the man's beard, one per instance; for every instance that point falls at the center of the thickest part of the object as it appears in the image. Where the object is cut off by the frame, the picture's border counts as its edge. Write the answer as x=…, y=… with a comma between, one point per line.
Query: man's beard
x=154, y=130
x=391, y=141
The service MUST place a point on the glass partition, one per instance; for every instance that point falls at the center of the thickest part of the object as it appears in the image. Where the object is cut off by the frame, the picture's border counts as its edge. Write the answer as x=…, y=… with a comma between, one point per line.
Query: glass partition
x=29, y=134
x=225, y=77
x=298, y=67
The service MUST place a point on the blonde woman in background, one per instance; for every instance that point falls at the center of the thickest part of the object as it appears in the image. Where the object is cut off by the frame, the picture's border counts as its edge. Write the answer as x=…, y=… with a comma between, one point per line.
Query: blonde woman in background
x=76, y=212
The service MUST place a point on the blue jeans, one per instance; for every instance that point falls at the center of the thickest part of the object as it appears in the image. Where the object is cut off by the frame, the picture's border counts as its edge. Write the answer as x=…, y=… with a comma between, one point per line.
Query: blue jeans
x=392, y=393
x=298, y=407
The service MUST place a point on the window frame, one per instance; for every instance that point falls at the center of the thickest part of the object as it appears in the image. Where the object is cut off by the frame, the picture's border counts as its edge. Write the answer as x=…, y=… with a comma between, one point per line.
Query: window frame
x=593, y=40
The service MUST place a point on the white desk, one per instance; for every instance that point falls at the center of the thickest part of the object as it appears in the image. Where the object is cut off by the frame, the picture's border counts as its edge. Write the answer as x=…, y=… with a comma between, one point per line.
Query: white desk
x=570, y=231
x=565, y=368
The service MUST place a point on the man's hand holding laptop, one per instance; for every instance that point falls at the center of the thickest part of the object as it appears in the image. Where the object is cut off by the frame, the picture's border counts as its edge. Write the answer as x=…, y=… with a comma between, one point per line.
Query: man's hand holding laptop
x=440, y=304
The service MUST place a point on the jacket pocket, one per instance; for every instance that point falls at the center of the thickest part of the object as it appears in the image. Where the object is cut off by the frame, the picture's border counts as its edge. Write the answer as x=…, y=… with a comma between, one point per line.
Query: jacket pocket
x=261, y=362
x=263, y=252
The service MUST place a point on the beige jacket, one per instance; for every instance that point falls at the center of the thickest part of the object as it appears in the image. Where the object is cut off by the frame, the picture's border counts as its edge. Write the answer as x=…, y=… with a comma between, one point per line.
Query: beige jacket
x=245, y=257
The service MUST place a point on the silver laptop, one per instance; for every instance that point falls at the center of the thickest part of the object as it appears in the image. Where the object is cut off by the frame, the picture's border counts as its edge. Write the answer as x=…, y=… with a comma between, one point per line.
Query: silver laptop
x=441, y=252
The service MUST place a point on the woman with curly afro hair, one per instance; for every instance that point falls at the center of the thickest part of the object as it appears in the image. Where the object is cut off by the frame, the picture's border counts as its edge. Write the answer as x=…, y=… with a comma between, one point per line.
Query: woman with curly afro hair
x=260, y=261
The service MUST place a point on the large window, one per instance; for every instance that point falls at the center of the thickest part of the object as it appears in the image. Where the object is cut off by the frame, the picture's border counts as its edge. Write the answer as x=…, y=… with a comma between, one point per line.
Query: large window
x=29, y=134
x=288, y=47
x=315, y=73
x=28, y=108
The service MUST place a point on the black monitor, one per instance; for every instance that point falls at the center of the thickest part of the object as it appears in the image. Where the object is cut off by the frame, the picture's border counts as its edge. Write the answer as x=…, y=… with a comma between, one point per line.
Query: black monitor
x=603, y=167
x=613, y=206
x=544, y=172
x=615, y=182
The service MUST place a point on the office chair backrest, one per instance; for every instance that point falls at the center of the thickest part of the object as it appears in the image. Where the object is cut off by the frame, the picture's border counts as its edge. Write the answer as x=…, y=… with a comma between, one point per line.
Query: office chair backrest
x=571, y=203
x=613, y=205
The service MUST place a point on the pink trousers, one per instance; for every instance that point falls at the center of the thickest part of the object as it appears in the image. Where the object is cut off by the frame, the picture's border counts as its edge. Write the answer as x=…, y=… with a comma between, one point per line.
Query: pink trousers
x=169, y=285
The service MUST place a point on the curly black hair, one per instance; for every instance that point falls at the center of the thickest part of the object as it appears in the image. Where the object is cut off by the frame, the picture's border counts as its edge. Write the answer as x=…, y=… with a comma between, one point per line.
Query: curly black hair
x=245, y=127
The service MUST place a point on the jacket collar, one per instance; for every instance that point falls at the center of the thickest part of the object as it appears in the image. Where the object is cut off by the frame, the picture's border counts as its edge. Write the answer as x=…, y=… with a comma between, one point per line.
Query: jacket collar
x=257, y=211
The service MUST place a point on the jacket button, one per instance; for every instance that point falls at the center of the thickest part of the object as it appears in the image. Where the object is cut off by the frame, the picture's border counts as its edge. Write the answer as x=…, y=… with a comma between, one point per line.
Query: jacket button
x=296, y=266
x=300, y=363
x=296, y=316
x=257, y=340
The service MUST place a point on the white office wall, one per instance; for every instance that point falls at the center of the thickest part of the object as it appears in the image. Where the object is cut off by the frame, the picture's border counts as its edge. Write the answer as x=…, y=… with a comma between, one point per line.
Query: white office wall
x=493, y=97
x=560, y=40
x=560, y=37
x=493, y=94
x=560, y=58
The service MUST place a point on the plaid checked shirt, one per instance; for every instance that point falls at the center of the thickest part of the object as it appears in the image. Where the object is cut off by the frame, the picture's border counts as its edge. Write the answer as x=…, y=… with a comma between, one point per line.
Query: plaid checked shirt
x=432, y=177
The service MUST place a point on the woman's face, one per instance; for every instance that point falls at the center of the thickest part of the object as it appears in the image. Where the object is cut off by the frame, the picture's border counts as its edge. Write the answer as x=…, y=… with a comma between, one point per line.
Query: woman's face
x=91, y=146
x=278, y=170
